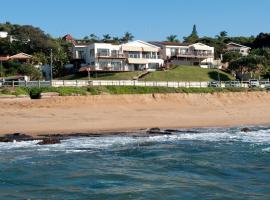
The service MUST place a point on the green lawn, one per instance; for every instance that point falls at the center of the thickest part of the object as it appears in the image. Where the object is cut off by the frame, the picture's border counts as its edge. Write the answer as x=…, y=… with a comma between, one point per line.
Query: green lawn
x=104, y=76
x=187, y=73
x=180, y=73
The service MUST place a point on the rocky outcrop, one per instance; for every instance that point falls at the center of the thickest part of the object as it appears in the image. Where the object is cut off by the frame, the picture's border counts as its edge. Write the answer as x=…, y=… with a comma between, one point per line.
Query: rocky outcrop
x=15, y=137
x=245, y=130
x=157, y=131
x=47, y=141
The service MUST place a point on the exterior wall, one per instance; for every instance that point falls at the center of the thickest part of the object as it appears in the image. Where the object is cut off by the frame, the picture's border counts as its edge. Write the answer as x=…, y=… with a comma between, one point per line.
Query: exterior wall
x=99, y=56
x=243, y=50
x=3, y=34
x=190, y=55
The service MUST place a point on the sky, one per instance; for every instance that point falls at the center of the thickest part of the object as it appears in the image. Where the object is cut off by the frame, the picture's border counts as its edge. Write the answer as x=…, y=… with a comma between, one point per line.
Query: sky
x=146, y=19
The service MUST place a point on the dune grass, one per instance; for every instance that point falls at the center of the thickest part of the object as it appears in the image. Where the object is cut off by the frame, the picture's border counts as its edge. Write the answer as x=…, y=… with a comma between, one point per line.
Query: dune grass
x=35, y=92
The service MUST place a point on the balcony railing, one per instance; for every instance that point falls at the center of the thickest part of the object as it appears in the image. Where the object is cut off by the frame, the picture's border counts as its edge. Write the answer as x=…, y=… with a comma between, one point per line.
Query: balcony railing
x=111, y=56
x=195, y=54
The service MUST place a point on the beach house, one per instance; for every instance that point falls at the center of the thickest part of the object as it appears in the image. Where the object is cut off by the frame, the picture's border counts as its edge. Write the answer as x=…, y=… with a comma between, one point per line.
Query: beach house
x=244, y=50
x=177, y=53
x=131, y=56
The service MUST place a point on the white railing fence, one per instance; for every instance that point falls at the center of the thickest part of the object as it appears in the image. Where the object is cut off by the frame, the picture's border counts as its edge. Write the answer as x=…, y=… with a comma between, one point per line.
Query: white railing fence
x=84, y=83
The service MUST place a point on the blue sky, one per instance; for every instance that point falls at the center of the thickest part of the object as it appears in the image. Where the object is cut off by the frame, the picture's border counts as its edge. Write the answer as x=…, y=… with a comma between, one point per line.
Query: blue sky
x=145, y=19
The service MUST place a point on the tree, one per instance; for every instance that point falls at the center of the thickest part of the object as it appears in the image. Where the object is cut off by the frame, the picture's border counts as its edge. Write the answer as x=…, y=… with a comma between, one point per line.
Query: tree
x=39, y=58
x=231, y=56
x=106, y=37
x=60, y=57
x=93, y=38
x=222, y=36
x=116, y=40
x=246, y=64
x=172, y=38
x=262, y=40
x=127, y=37
x=193, y=37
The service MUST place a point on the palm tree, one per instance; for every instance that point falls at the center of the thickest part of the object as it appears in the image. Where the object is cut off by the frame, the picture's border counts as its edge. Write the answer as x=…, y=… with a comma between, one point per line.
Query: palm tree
x=172, y=38
x=106, y=37
x=127, y=37
x=116, y=40
x=93, y=37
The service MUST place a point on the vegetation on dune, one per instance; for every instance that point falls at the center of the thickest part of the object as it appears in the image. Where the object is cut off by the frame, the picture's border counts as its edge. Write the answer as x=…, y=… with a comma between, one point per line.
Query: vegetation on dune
x=35, y=92
x=188, y=73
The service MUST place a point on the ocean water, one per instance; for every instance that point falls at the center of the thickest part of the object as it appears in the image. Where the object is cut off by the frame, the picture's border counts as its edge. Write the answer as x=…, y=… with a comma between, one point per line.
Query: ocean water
x=190, y=164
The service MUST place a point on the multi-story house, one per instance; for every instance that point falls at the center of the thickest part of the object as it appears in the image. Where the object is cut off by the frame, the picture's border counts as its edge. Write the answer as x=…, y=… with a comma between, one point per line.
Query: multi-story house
x=136, y=55
x=244, y=50
x=197, y=54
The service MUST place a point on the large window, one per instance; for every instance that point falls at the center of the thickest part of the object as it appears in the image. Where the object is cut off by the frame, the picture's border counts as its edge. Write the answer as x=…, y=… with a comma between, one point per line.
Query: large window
x=134, y=54
x=103, y=52
x=116, y=65
x=115, y=53
x=103, y=64
x=153, y=66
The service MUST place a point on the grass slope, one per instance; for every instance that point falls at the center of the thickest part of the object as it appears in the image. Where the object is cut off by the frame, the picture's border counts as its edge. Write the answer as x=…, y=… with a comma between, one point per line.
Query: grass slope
x=187, y=73
x=104, y=76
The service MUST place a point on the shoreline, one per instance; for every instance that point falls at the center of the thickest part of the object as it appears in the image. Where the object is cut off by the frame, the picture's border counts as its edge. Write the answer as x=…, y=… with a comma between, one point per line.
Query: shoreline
x=132, y=113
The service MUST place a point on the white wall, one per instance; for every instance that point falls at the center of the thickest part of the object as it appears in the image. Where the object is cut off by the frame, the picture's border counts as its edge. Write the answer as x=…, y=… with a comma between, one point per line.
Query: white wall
x=3, y=34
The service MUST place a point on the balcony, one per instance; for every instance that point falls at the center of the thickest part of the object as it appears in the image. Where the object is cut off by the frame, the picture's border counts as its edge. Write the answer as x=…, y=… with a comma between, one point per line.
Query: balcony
x=194, y=55
x=110, y=56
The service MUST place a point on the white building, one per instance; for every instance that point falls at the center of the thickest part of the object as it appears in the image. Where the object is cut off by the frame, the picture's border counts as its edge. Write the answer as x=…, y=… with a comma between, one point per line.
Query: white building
x=187, y=54
x=244, y=50
x=136, y=55
x=3, y=34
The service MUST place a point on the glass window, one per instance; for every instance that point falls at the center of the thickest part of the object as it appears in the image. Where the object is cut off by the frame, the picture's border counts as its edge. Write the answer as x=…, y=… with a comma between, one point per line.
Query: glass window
x=134, y=54
x=116, y=65
x=153, y=66
x=103, y=52
x=103, y=63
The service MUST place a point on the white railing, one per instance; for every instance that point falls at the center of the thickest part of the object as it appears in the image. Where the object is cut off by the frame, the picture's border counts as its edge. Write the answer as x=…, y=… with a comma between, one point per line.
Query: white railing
x=80, y=83
x=84, y=83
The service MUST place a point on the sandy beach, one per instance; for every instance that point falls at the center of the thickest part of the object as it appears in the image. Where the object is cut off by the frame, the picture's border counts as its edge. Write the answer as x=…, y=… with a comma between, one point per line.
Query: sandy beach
x=133, y=112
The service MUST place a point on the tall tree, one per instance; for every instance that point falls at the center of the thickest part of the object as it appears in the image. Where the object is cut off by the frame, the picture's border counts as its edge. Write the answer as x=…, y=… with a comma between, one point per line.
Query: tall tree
x=127, y=37
x=193, y=37
x=172, y=38
x=93, y=37
x=106, y=37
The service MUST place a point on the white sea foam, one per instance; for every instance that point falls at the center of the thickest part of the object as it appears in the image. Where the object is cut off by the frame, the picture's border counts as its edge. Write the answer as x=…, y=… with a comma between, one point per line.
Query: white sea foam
x=267, y=150
x=74, y=145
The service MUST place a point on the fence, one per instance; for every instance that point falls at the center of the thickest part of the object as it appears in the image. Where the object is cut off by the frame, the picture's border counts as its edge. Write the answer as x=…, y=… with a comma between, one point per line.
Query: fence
x=80, y=83
x=83, y=83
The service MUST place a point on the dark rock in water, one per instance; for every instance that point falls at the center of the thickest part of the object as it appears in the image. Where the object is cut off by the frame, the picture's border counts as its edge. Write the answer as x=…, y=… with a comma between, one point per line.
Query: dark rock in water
x=245, y=129
x=4, y=139
x=47, y=141
x=15, y=137
x=158, y=131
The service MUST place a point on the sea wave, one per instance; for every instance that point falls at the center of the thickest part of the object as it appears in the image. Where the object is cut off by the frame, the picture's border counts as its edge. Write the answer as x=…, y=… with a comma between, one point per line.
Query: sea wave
x=258, y=136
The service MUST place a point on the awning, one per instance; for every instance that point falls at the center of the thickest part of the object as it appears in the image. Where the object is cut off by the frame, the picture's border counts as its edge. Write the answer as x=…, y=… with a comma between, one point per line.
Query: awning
x=137, y=61
x=143, y=49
